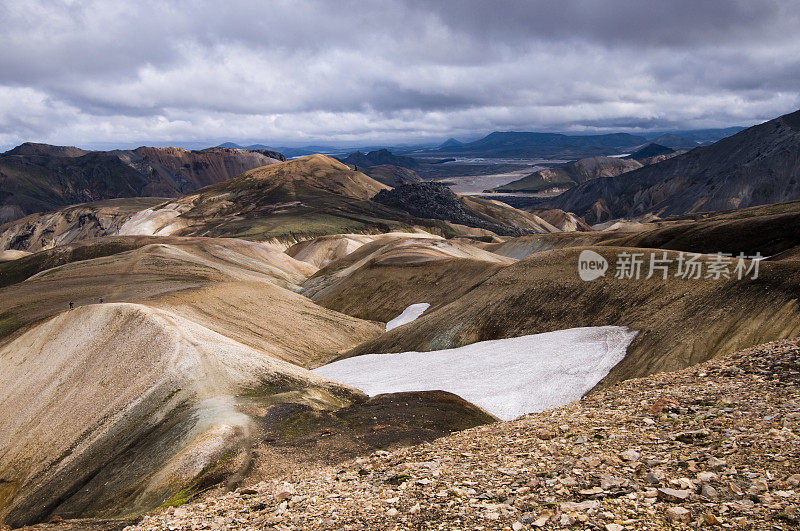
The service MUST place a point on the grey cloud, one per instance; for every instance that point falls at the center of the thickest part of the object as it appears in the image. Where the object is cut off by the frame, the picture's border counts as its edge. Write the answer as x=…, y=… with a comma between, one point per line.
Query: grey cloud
x=82, y=71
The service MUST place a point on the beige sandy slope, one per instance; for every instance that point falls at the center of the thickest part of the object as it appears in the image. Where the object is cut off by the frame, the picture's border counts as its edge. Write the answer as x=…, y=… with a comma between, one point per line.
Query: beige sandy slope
x=283, y=324
x=322, y=251
x=206, y=258
x=128, y=401
x=237, y=288
x=563, y=221
x=523, y=246
x=12, y=254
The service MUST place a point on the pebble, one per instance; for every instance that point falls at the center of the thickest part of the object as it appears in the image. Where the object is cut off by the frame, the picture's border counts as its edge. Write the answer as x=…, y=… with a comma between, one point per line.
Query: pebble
x=679, y=514
x=674, y=495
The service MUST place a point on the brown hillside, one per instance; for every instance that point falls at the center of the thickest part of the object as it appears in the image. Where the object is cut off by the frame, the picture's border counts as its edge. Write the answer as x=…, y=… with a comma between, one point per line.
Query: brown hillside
x=680, y=322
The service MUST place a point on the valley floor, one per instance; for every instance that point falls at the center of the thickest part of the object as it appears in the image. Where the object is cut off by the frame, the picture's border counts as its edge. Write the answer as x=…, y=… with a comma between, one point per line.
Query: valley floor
x=716, y=444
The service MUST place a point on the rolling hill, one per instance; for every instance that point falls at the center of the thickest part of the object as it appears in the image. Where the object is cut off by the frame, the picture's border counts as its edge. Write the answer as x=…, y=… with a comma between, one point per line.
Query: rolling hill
x=770, y=230
x=192, y=373
x=72, y=224
x=431, y=269
x=137, y=403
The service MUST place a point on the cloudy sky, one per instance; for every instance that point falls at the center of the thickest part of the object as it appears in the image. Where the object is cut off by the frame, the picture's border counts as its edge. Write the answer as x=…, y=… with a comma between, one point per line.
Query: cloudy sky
x=118, y=73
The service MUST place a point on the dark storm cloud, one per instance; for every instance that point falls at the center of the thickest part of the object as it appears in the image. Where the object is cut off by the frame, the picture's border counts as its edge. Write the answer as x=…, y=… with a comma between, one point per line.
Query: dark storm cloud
x=86, y=71
x=641, y=23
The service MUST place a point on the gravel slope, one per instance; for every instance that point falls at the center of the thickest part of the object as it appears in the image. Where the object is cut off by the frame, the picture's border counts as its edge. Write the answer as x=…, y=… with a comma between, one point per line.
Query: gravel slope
x=714, y=444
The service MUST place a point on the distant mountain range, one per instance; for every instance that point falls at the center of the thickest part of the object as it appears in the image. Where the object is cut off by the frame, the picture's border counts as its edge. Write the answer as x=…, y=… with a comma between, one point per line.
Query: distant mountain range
x=757, y=166
x=41, y=177
x=390, y=169
x=513, y=144
x=287, y=151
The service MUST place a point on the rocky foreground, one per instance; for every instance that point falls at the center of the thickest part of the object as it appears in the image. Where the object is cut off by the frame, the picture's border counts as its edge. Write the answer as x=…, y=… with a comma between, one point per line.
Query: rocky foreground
x=714, y=445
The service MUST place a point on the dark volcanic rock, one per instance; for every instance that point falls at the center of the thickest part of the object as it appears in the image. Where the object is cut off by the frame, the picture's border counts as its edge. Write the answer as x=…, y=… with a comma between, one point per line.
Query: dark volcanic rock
x=437, y=201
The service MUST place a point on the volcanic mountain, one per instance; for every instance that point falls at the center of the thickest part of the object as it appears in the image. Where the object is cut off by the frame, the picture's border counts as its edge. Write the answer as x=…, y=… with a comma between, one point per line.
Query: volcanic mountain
x=449, y=144
x=760, y=165
x=40, y=177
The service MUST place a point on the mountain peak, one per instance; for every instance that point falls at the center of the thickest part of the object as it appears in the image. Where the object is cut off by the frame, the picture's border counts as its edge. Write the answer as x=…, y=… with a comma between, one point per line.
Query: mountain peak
x=36, y=149
x=651, y=150
x=307, y=176
x=450, y=143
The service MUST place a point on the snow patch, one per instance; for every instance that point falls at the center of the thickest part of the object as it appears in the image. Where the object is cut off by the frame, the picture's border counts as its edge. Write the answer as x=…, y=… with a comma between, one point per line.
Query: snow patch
x=506, y=377
x=409, y=314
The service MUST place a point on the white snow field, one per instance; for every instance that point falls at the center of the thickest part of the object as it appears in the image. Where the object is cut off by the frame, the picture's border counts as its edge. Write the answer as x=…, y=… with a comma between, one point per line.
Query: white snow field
x=409, y=314
x=506, y=377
